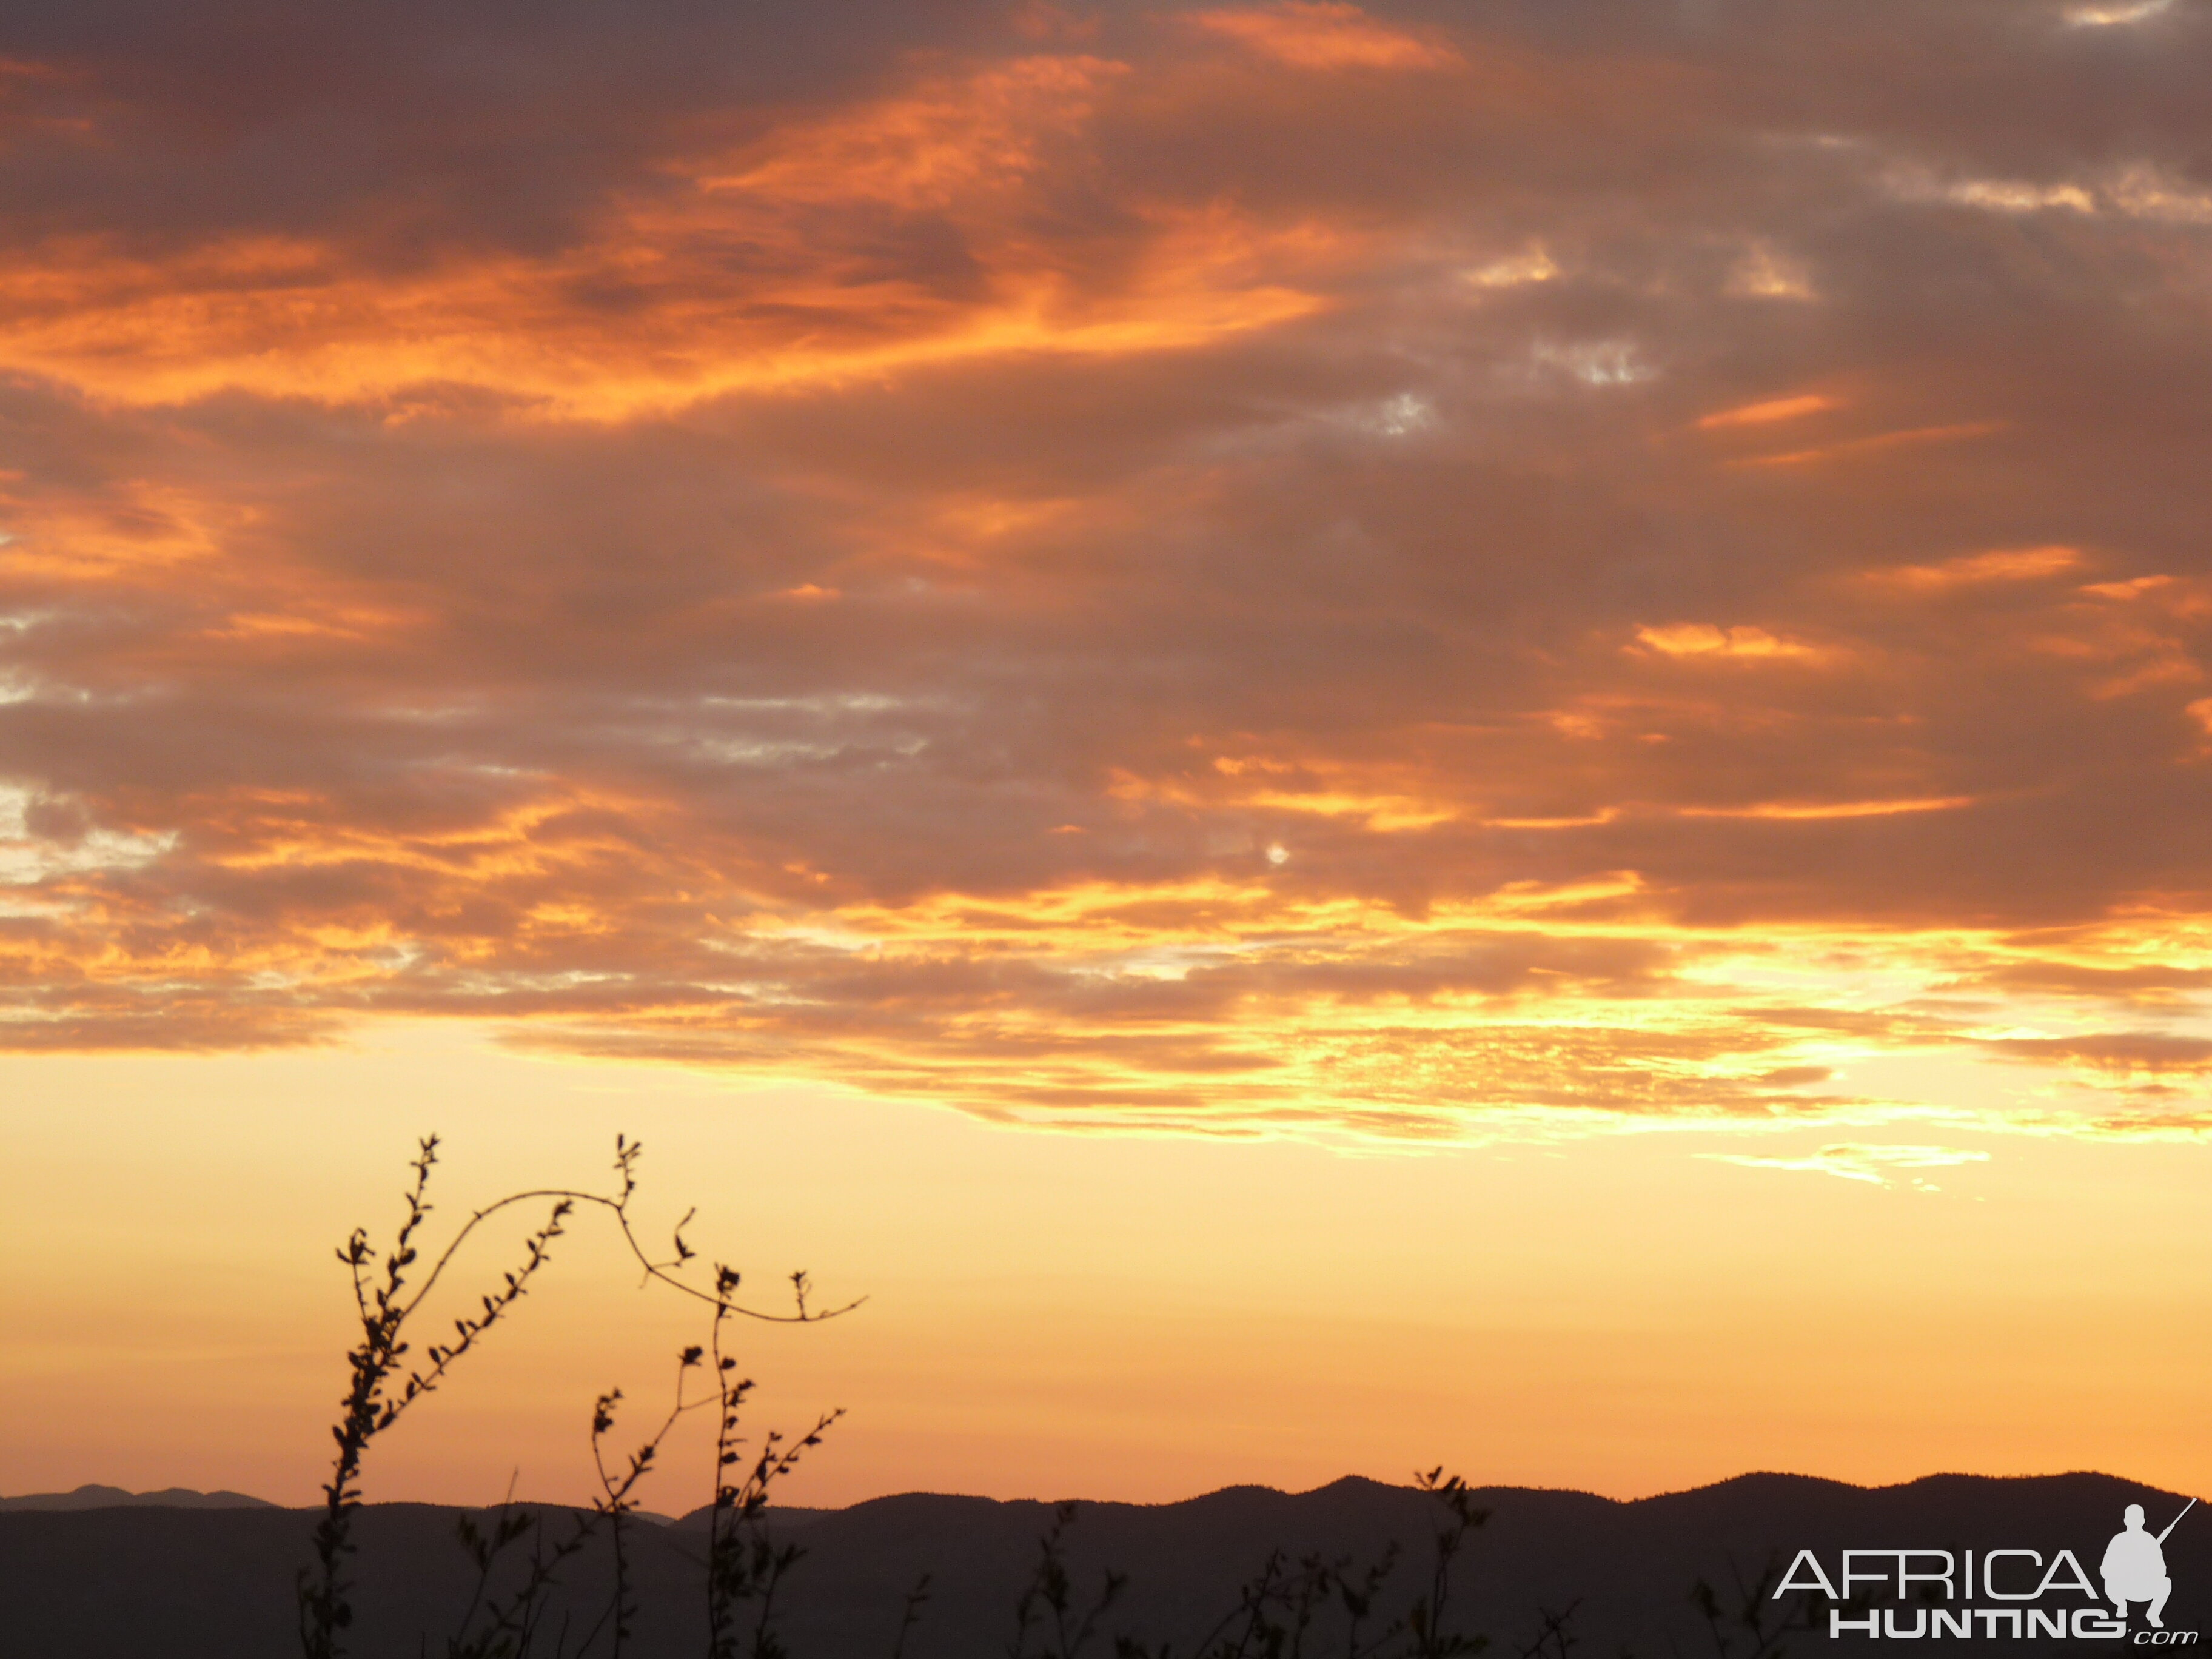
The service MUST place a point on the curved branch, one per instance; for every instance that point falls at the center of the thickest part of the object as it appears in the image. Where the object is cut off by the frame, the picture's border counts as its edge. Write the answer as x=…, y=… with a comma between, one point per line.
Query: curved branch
x=619, y=1207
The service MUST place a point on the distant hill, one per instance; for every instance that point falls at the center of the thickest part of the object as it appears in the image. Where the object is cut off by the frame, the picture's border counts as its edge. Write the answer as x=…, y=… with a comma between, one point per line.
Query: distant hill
x=112, y=1498
x=145, y=1578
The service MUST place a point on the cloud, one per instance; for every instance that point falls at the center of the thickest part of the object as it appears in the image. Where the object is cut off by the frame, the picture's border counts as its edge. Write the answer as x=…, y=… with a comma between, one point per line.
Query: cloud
x=854, y=241
x=2107, y=16
x=1324, y=35
x=1764, y=274
x=1768, y=410
x=1253, y=570
x=1706, y=640
x=1952, y=433
x=1999, y=565
x=2125, y=1053
x=1534, y=266
x=1876, y=1164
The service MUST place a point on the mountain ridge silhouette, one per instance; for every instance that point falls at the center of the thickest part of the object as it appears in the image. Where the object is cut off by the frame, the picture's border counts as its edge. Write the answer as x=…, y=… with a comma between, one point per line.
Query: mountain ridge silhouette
x=92, y=1496
x=216, y=1582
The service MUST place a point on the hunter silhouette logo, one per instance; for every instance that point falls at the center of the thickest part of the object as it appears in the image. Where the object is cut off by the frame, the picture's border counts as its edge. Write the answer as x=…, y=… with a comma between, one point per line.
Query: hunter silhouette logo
x=2016, y=1594
x=2134, y=1565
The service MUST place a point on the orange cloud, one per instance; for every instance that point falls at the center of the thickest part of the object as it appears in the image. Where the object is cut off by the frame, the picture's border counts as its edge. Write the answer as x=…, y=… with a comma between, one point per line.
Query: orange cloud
x=642, y=314
x=1846, y=808
x=1706, y=640
x=1999, y=565
x=1879, y=441
x=139, y=529
x=1773, y=410
x=1325, y=34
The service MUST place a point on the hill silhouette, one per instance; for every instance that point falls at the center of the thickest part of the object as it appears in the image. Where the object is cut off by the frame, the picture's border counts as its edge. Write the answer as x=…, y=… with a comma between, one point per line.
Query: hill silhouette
x=143, y=1578
x=111, y=1497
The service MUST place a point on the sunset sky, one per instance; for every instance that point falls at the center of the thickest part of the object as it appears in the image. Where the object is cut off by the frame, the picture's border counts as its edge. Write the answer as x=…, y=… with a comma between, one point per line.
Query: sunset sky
x=1337, y=737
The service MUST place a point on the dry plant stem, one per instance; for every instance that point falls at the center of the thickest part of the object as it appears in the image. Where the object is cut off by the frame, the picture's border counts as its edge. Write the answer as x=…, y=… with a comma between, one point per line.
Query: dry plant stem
x=1050, y=1587
x=485, y=1548
x=1360, y=1599
x=744, y=1565
x=385, y=1306
x=1255, y=1628
x=911, y=1614
x=616, y=1504
x=1277, y=1609
x=1461, y=1517
x=1251, y=1630
x=1762, y=1626
x=513, y=1623
x=1555, y=1633
x=1304, y=1599
x=513, y=1628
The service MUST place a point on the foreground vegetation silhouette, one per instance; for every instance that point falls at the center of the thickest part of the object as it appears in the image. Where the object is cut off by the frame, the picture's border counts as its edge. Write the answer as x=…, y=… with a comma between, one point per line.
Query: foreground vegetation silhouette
x=1316, y=1606
x=744, y=1566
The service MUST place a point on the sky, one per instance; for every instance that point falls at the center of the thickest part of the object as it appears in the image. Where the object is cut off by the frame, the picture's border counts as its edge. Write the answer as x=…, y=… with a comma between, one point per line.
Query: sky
x=1337, y=737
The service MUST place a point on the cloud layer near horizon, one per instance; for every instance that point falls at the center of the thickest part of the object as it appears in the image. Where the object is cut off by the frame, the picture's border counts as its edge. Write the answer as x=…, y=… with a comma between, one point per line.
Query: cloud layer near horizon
x=1411, y=571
